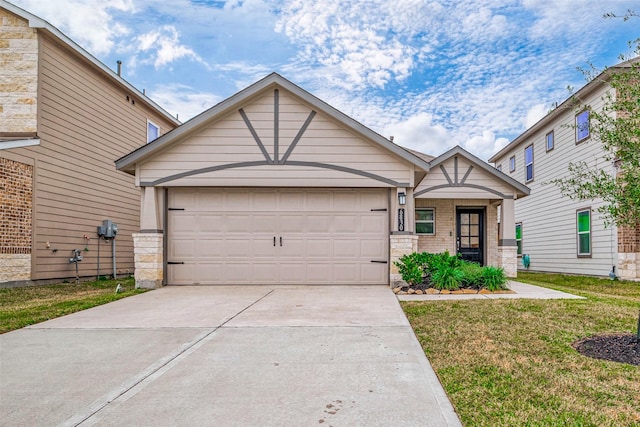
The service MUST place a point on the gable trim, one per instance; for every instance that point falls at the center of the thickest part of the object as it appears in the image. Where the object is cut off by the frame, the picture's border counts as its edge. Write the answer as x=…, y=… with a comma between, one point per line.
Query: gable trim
x=256, y=138
x=475, y=186
x=265, y=163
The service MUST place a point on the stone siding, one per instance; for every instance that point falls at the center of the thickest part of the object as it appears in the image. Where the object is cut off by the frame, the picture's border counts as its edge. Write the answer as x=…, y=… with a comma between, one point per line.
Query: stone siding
x=149, y=266
x=15, y=267
x=19, y=82
x=400, y=244
x=508, y=256
x=629, y=266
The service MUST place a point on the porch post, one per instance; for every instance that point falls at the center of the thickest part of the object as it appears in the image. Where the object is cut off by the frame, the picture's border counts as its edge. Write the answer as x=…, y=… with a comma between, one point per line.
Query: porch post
x=148, y=243
x=507, y=246
x=401, y=242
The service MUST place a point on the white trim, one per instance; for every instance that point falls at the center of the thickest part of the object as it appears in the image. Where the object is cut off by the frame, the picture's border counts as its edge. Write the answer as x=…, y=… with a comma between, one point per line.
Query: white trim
x=18, y=143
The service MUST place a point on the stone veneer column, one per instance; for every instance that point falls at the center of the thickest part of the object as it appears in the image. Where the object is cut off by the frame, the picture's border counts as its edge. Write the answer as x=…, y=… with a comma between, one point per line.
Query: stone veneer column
x=628, y=266
x=508, y=256
x=148, y=249
x=399, y=245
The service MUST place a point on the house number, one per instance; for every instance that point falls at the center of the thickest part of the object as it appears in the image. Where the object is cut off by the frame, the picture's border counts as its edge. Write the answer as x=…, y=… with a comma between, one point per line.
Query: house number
x=400, y=219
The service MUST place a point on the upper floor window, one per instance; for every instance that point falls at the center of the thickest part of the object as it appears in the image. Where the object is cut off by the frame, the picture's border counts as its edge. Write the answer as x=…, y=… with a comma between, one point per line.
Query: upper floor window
x=153, y=131
x=426, y=221
x=528, y=163
x=583, y=227
x=512, y=163
x=582, y=126
x=550, y=141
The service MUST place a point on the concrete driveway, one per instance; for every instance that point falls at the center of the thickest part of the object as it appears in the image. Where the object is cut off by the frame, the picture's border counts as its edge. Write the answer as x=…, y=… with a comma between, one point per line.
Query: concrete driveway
x=232, y=356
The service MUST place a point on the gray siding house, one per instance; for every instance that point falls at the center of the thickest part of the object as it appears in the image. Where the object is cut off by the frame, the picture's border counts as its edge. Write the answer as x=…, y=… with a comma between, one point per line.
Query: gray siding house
x=555, y=233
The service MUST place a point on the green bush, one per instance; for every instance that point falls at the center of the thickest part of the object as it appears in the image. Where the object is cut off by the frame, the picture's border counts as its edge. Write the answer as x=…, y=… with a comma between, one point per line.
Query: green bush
x=494, y=279
x=472, y=275
x=445, y=271
x=446, y=276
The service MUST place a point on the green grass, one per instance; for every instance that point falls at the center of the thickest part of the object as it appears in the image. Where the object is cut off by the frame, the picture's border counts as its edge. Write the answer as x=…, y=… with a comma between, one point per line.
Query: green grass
x=20, y=307
x=511, y=362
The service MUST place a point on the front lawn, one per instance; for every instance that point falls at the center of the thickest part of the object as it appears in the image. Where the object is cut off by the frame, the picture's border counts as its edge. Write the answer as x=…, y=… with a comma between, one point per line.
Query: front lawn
x=511, y=362
x=25, y=306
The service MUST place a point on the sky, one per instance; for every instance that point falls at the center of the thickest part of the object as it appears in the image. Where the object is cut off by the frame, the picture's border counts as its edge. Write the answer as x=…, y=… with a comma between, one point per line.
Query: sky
x=431, y=73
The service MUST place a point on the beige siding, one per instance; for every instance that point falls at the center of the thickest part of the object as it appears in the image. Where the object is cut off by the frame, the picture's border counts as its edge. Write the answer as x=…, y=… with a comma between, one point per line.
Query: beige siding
x=18, y=75
x=228, y=140
x=85, y=123
x=445, y=236
x=477, y=177
x=548, y=219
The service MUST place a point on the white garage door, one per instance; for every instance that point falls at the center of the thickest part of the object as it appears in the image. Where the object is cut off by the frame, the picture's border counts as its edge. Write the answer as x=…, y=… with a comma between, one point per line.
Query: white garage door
x=271, y=236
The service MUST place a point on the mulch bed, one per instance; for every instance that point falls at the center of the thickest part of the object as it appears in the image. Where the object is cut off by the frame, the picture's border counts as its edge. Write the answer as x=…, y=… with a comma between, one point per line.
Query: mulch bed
x=623, y=348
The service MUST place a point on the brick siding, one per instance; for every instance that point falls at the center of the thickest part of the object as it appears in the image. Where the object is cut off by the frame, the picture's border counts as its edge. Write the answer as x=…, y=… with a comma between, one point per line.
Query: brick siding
x=16, y=190
x=629, y=239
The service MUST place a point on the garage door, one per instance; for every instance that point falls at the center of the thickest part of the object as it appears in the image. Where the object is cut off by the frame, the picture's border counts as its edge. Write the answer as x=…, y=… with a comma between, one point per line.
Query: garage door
x=270, y=236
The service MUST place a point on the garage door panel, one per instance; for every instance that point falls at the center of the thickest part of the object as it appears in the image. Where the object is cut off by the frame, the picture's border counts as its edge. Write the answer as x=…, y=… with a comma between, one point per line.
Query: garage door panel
x=319, y=248
x=319, y=224
x=293, y=223
x=209, y=248
x=207, y=223
x=373, y=249
x=346, y=248
x=182, y=248
x=346, y=224
x=226, y=236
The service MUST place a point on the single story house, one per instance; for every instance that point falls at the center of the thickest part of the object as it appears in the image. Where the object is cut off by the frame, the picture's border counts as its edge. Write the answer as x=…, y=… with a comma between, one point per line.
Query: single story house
x=273, y=185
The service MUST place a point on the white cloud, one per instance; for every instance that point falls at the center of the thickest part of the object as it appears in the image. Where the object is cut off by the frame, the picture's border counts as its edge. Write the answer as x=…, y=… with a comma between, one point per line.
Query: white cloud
x=534, y=115
x=88, y=22
x=183, y=100
x=485, y=145
x=420, y=133
x=164, y=46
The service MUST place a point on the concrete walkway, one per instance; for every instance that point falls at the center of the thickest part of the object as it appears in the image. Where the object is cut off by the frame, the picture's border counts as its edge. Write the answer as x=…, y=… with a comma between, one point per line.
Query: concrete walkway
x=521, y=290
x=232, y=356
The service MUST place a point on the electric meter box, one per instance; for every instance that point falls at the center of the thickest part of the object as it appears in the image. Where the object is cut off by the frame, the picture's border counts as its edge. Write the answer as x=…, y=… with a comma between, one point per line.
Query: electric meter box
x=108, y=229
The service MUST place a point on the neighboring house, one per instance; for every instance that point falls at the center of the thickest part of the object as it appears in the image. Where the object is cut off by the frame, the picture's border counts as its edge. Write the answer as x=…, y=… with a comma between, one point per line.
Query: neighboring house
x=273, y=185
x=555, y=233
x=64, y=117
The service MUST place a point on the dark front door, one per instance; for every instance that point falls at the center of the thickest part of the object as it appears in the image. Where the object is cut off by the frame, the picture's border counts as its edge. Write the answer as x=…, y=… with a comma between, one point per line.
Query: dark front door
x=470, y=234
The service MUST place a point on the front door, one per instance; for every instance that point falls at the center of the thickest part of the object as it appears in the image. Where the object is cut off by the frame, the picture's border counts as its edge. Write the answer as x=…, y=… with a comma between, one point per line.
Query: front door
x=470, y=234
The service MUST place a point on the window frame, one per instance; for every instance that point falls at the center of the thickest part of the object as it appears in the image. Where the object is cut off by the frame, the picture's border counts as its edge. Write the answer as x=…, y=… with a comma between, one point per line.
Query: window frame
x=150, y=123
x=553, y=141
x=578, y=233
x=519, y=250
x=433, y=221
x=512, y=164
x=526, y=165
x=588, y=128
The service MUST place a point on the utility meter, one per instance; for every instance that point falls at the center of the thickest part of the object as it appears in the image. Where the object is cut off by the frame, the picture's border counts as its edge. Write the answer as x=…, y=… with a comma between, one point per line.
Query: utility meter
x=108, y=229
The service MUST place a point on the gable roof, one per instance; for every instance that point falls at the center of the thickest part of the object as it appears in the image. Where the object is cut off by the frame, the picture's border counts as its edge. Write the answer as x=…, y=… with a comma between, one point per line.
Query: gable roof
x=459, y=151
x=41, y=24
x=567, y=104
x=127, y=163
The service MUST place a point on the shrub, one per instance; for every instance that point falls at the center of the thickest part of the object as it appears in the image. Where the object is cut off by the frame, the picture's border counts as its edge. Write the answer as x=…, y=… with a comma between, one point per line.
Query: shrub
x=494, y=279
x=412, y=268
x=446, y=276
x=472, y=275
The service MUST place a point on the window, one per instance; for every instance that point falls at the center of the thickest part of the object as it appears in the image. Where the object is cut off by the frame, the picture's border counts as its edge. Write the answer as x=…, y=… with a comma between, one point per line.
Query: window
x=583, y=220
x=550, y=141
x=519, y=237
x=582, y=126
x=528, y=163
x=426, y=221
x=512, y=163
x=499, y=168
x=153, y=131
